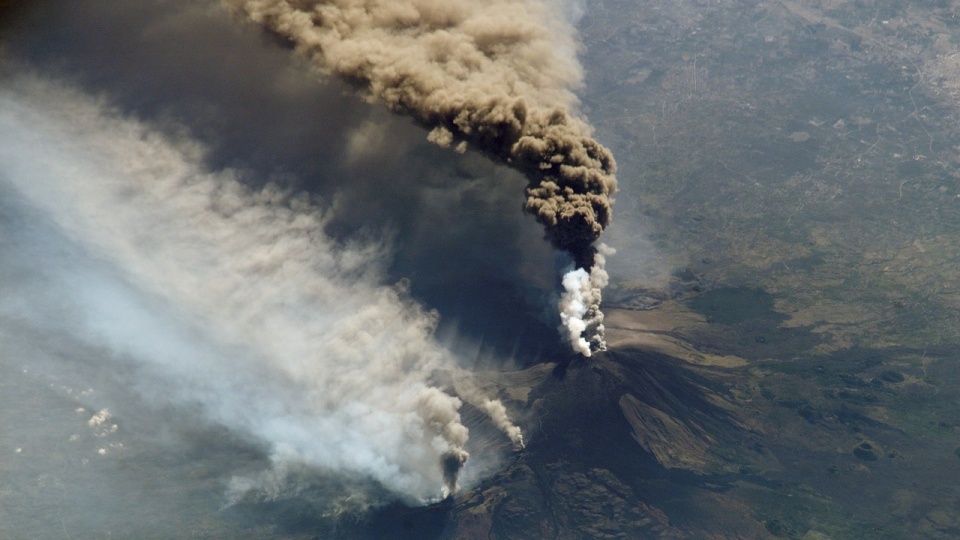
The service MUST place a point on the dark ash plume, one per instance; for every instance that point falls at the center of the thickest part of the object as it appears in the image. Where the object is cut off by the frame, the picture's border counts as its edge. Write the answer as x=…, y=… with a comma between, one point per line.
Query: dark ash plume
x=496, y=76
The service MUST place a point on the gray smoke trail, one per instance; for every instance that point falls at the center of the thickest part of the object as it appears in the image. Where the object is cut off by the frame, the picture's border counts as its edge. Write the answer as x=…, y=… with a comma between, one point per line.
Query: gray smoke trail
x=467, y=388
x=495, y=75
x=233, y=296
x=498, y=413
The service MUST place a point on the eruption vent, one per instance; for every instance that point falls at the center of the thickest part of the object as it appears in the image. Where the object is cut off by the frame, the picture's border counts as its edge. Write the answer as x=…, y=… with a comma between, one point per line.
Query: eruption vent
x=494, y=75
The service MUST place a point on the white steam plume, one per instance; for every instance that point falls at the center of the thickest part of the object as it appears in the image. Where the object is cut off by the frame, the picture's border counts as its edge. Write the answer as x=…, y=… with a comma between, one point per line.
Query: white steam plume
x=580, y=304
x=234, y=298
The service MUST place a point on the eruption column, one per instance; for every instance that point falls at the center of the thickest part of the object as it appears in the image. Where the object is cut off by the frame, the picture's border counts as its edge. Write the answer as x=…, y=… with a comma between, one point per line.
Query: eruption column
x=496, y=76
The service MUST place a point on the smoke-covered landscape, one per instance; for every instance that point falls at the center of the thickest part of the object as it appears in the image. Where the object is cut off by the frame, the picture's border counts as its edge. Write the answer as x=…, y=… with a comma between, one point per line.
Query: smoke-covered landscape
x=447, y=269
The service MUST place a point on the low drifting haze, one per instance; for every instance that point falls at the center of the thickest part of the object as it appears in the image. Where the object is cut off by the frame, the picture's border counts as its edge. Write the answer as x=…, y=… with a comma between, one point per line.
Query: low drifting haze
x=231, y=230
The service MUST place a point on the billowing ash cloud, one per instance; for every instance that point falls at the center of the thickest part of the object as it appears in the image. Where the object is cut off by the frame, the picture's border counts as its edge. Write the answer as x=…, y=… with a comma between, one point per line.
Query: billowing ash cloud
x=248, y=225
x=495, y=76
x=224, y=297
